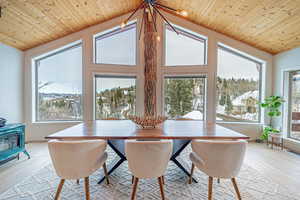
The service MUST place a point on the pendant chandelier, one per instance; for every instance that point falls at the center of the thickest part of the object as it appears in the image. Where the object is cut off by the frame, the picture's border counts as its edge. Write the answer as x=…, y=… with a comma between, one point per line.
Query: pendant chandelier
x=150, y=8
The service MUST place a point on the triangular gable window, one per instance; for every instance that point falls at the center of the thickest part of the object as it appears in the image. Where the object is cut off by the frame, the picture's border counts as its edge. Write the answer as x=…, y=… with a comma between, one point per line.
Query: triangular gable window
x=187, y=48
x=116, y=46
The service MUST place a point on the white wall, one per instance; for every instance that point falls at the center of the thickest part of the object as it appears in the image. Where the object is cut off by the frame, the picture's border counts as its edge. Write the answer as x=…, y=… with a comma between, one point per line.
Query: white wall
x=37, y=131
x=252, y=130
x=11, y=84
x=289, y=60
x=283, y=63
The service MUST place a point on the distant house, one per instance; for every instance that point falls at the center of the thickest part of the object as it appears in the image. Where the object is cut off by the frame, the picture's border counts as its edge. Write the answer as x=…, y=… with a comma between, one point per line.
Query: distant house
x=245, y=103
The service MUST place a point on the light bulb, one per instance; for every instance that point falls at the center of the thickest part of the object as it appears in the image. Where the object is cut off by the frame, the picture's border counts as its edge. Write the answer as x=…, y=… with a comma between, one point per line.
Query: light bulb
x=123, y=24
x=182, y=13
x=158, y=38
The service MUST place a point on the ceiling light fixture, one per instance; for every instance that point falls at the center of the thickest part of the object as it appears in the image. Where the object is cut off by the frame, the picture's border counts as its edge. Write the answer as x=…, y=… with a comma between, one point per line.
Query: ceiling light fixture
x=150, y=8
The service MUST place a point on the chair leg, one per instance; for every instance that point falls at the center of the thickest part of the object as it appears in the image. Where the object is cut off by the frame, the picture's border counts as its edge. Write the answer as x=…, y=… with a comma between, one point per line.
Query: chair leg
x=218, y=180
x=106, y=174
x=161, y=186
x=60, y=186
x=87, y=188
x=192, y=172
x=210, y=187
x=236, y=188
x=135, y=184
x=132, y=179
x=163, y=179
x=77, y=181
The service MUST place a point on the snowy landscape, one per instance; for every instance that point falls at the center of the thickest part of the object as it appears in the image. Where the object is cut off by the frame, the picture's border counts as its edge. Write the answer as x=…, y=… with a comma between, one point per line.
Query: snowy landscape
x=62, y=101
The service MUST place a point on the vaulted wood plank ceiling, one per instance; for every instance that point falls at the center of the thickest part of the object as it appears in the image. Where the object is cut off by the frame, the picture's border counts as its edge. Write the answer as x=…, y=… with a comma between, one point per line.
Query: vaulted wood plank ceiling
x=270, y=25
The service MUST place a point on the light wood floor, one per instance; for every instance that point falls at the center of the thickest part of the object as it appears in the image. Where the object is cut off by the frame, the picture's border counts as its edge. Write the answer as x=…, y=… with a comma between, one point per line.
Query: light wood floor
x=281, y=166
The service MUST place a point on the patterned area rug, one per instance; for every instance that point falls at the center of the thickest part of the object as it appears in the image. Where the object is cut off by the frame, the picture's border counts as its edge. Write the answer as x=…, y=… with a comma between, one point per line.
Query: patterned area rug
x=252, y=184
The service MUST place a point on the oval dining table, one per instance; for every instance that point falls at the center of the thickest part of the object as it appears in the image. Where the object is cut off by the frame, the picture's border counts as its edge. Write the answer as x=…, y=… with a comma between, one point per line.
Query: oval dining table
x=117, y=131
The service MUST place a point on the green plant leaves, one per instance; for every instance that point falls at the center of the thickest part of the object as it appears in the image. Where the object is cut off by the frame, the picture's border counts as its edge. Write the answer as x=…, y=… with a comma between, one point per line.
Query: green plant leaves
x=264, y=105
x=268, y=130
x=273, y=103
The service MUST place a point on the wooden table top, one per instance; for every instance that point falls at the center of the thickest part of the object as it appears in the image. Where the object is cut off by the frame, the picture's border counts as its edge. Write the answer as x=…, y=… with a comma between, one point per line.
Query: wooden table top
x=125, y=129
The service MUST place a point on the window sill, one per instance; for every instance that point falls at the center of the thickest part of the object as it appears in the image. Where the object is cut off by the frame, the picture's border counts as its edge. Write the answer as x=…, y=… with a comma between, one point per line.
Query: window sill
x=248, y=123
x=56, y=122
x=292, y=140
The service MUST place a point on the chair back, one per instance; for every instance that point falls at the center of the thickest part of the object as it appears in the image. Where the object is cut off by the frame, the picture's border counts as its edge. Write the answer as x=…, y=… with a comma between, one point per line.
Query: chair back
x=148, y=159
x=77, y=159
x=222, y=159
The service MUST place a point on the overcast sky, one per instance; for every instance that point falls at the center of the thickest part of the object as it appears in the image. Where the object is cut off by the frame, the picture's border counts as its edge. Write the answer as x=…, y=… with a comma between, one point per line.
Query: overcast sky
x=65, y=68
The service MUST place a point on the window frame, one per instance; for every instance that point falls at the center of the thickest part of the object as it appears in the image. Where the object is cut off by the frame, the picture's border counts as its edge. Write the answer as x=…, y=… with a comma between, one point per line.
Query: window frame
x=114, y=31
x=121, y=76
x=289, y=103
x=260, y=82
x=36, y=62
x=187, y=33
x=185, y=76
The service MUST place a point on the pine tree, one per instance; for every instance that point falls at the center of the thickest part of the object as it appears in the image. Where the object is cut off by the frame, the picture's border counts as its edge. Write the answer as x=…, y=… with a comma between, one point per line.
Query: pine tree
x=222, y=99
x=228, y=104
x=179, y=96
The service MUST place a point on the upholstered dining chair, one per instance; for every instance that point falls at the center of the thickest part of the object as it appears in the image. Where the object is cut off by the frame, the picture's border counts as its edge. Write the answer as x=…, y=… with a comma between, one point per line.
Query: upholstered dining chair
x=76, y=160
x=148, y=159
x=218, y=159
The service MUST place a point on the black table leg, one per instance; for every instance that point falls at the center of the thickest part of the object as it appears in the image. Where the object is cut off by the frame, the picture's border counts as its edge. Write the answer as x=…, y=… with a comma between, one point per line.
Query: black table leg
x=118, y=148
x=179, y=146
x=183, y=169
x=112, y=169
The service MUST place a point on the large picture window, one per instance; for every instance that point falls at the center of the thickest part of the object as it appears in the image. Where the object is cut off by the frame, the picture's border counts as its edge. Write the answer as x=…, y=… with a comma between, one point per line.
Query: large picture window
x=238, y=87
x=115, y=97
x=184, y=97
x=187, y=48
x=116, y=46
x=59, y=85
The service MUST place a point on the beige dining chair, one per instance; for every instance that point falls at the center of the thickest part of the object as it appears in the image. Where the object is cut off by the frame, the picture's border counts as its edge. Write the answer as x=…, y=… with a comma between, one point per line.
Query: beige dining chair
x=76, y=160
x=218, y=159
x=148, y=159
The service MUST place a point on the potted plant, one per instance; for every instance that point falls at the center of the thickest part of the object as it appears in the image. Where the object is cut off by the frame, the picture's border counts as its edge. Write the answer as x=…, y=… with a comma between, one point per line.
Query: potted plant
x=272, y=104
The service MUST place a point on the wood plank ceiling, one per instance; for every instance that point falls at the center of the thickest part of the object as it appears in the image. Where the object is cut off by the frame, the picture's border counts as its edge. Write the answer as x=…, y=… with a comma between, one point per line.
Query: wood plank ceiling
x=270, y=25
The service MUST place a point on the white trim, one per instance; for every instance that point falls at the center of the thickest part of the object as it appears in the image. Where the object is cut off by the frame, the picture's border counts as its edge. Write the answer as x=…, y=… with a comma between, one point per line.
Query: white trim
x=212, y=61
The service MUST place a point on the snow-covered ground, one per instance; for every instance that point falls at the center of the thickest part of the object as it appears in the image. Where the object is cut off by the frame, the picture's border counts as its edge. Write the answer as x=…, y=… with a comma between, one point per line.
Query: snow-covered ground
x=239, y=101
x=195, y=114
